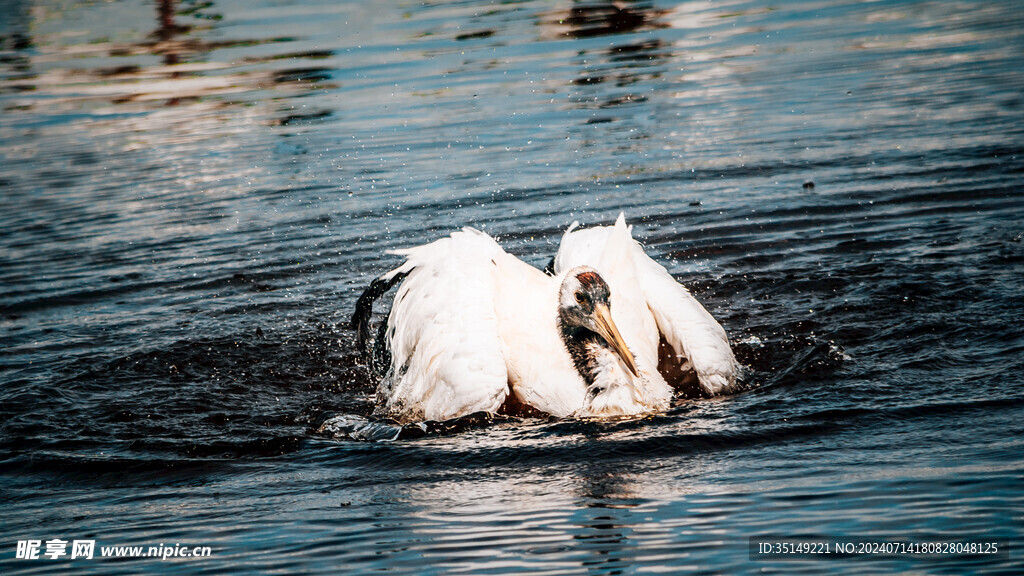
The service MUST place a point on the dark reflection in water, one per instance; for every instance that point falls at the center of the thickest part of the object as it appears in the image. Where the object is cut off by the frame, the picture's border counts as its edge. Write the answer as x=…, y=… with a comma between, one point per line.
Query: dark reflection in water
x=604, y=531
x=193, y=194
x=586, y=19
x=166, y=32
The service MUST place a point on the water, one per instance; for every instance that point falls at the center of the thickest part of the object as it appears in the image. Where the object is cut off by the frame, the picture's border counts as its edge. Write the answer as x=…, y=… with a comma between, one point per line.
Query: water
x=194, y=195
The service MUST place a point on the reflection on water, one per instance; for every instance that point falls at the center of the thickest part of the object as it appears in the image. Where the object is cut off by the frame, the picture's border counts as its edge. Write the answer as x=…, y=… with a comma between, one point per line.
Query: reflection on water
x=193, y=194
x=586, y=19
x=184, y=70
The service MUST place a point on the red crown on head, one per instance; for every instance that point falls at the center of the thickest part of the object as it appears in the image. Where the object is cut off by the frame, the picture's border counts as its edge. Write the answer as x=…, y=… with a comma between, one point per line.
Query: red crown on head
x=588, y=279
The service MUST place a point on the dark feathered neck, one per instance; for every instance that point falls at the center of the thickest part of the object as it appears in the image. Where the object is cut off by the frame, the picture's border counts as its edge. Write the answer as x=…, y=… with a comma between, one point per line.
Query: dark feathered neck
x=580, y=343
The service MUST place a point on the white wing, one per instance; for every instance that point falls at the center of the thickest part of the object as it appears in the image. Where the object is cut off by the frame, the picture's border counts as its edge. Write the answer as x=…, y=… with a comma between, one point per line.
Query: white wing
x=447, y=357
x=468, y=323
x=694, y=335
x=540, y=369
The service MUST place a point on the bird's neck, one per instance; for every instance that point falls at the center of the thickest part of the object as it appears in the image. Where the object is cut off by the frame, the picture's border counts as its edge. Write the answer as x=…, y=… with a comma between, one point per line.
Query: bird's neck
x=580, y=343
x=593, y=358
x=610, y=389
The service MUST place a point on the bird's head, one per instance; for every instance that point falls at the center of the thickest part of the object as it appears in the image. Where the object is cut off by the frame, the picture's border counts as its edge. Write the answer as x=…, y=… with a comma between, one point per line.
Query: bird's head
x=584, y=302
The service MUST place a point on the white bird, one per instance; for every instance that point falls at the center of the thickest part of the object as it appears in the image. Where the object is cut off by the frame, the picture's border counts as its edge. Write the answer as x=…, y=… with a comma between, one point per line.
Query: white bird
x=473, y=328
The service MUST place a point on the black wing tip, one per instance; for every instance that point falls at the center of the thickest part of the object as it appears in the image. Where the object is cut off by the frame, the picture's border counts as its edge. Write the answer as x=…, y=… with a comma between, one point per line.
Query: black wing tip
x=550, y=268
x=364, y=310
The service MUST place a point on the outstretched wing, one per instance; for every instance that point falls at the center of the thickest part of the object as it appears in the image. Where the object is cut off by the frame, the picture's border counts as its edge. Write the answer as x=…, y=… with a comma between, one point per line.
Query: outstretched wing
x=693, y=339
x=447, y=358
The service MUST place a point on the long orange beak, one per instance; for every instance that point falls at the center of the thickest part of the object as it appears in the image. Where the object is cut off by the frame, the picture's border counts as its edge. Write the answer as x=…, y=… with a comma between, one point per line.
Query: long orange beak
x=610, y=333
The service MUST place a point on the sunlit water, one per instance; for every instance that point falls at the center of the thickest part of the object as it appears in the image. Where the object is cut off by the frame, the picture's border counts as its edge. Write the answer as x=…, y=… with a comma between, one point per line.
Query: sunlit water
x=192, y=197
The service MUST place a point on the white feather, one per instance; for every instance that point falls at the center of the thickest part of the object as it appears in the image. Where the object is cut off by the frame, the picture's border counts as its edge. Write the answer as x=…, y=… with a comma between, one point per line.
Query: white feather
x=468, y=322
x=674, y=313
x=447, y=358
x=540, y=370
x=471, y=324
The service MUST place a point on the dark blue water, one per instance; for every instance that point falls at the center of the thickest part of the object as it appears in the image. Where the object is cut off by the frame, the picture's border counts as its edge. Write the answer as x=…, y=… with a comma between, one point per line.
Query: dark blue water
x=193, y=195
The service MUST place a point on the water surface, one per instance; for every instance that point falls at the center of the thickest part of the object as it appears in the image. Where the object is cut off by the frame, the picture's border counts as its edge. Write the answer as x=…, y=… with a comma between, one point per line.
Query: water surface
x=193, y=195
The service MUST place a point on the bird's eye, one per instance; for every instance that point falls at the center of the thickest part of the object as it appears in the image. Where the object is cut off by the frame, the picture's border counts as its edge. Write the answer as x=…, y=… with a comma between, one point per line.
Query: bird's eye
x=580, y=298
